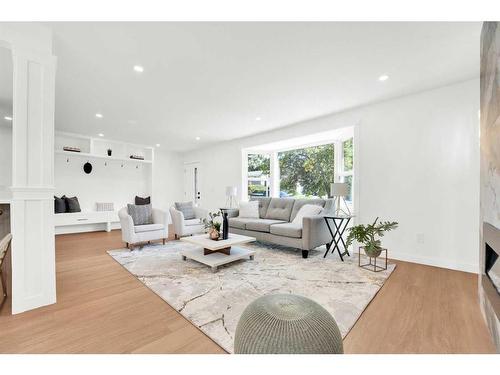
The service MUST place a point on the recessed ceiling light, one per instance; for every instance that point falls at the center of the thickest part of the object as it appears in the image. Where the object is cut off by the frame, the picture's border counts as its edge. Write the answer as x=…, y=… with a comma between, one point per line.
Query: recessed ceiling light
x=383, y=77
x=258, y=119
x=157, y=145
x=8, y=118
x=197, y=138
x=138, y=68
x=98, y=115
x=100, y=135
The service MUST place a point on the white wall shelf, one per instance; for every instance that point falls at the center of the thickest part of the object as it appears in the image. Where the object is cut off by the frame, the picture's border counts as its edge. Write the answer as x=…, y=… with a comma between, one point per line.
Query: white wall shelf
x=86, y=155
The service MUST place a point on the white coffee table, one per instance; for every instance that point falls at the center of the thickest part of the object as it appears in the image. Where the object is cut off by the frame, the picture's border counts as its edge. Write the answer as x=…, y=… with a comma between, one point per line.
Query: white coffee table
x=217, y=253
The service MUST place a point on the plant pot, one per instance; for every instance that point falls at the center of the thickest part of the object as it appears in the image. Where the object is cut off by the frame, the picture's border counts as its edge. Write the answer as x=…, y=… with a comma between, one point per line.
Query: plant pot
x=214, y=234
x=372, y=252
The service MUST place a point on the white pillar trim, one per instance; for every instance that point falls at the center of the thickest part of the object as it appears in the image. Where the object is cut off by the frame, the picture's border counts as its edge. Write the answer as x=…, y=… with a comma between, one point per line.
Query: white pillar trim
x=32, y=207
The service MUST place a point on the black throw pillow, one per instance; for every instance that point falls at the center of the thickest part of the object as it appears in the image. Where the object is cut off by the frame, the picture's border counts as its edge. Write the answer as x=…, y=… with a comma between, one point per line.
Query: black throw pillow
x=59, y=205
x=72, y=204
x=139, y=201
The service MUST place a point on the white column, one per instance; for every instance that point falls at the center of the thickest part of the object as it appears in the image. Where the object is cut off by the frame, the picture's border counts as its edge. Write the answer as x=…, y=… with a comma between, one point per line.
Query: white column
x=275, y=175
x=32, y=208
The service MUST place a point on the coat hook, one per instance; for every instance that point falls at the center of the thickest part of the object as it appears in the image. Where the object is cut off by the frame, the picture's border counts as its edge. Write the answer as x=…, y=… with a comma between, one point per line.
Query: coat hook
x=105, y=163
x=67, y=160
x=122, y=165
x=136, y=167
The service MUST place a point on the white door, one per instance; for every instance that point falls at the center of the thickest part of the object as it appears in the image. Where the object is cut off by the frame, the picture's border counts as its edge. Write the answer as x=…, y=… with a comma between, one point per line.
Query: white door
x=192, y=187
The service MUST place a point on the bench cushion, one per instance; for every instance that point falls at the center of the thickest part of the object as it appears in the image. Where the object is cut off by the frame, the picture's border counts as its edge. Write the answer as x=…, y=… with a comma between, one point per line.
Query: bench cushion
x=287, y=230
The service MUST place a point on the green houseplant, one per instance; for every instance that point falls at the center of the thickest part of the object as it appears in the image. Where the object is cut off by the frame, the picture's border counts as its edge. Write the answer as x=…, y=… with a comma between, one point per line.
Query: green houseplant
x=212, y=225
x=367, y=235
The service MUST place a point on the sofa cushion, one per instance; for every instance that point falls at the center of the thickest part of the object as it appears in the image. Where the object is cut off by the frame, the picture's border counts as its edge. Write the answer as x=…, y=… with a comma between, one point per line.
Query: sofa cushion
x=187, y=209
x=237, y=222
x=261, y=225
x=148, y=227
x=191, y=222
x=141, y=215
x=297, y=205
x=263, y=205
x=287, y=230
x=280, y=209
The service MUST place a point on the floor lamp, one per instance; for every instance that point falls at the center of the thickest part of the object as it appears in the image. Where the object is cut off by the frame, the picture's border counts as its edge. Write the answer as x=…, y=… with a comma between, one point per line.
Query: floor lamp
x=340, y=190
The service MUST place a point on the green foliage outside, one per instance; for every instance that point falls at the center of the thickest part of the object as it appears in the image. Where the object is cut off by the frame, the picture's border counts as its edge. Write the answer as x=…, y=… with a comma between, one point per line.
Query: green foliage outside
x=258, y=162
x=347, y=145
x=311, y=168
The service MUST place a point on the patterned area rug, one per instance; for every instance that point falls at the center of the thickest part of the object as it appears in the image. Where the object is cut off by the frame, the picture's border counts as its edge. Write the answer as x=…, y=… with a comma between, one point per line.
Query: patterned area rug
x=214, y=301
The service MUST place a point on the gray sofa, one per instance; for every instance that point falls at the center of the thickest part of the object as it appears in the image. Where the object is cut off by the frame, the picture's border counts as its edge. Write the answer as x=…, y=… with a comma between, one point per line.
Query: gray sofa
x=275, y=224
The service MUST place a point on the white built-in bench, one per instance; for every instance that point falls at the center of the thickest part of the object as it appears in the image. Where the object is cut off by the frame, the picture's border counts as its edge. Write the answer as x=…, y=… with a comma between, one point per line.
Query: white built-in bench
x=89, y=221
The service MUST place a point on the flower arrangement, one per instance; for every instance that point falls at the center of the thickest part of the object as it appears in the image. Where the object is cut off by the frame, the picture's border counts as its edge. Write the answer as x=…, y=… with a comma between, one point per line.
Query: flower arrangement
x=212, y=225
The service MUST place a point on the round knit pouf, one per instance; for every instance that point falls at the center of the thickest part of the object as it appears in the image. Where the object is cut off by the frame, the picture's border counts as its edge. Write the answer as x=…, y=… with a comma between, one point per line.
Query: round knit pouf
x=287, y=324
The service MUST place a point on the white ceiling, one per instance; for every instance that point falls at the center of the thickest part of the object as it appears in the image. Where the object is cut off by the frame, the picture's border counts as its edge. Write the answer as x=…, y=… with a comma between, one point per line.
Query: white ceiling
x=213, y=80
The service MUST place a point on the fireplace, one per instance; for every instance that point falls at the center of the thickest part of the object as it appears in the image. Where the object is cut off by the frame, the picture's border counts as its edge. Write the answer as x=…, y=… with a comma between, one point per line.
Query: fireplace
x=491, y=271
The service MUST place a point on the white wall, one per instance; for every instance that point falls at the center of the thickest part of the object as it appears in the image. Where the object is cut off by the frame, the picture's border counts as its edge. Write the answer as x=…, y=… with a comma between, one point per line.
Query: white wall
x=167, y=179
x=417, y=163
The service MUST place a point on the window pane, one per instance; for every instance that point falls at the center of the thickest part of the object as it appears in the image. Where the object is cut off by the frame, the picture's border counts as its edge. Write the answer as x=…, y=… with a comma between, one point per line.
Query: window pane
x=347, y=148
x=348, y=180
x=258, y=175
x=306, y=172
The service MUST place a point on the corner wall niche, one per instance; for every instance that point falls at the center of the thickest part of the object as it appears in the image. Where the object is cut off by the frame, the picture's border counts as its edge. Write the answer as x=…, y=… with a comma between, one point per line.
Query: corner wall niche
x=114, y=179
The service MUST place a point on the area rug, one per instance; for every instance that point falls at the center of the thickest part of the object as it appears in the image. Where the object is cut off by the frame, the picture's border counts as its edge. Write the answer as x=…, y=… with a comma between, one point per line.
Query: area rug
x=214, y=301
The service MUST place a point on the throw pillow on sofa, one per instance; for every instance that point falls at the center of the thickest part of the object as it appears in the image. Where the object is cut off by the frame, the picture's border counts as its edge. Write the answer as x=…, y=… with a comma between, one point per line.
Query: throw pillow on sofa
x=307, y=210
x=141, y=214
x=249, y=210
x=187, y=209
x=72, y=204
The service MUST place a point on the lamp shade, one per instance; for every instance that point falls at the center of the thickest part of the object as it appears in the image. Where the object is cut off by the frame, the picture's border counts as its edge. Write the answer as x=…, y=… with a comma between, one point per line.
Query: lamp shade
x=231, y=191
x=339, y=189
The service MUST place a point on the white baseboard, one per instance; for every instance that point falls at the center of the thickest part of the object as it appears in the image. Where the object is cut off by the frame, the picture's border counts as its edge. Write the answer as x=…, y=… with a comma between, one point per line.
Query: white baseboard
x=442, y=263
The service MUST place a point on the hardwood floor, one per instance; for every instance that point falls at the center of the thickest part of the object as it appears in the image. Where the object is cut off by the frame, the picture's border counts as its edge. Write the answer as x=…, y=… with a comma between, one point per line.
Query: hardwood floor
x=102, y=308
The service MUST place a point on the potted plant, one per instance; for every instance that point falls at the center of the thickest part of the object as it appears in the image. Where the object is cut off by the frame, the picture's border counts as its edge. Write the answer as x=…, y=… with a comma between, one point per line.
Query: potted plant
x=212, y=225
x=367, y=235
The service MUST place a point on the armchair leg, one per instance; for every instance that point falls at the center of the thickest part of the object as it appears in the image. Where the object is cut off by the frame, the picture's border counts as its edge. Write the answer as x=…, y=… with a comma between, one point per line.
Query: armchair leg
x=305, y=254
x=163, y=240
x=126, y=244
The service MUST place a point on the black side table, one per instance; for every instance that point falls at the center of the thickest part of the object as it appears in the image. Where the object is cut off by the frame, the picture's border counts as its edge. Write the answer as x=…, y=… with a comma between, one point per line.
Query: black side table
x=340, y=224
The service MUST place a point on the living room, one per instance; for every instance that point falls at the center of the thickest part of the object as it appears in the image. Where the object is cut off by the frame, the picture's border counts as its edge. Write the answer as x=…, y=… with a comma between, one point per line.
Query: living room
x=249, y=188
